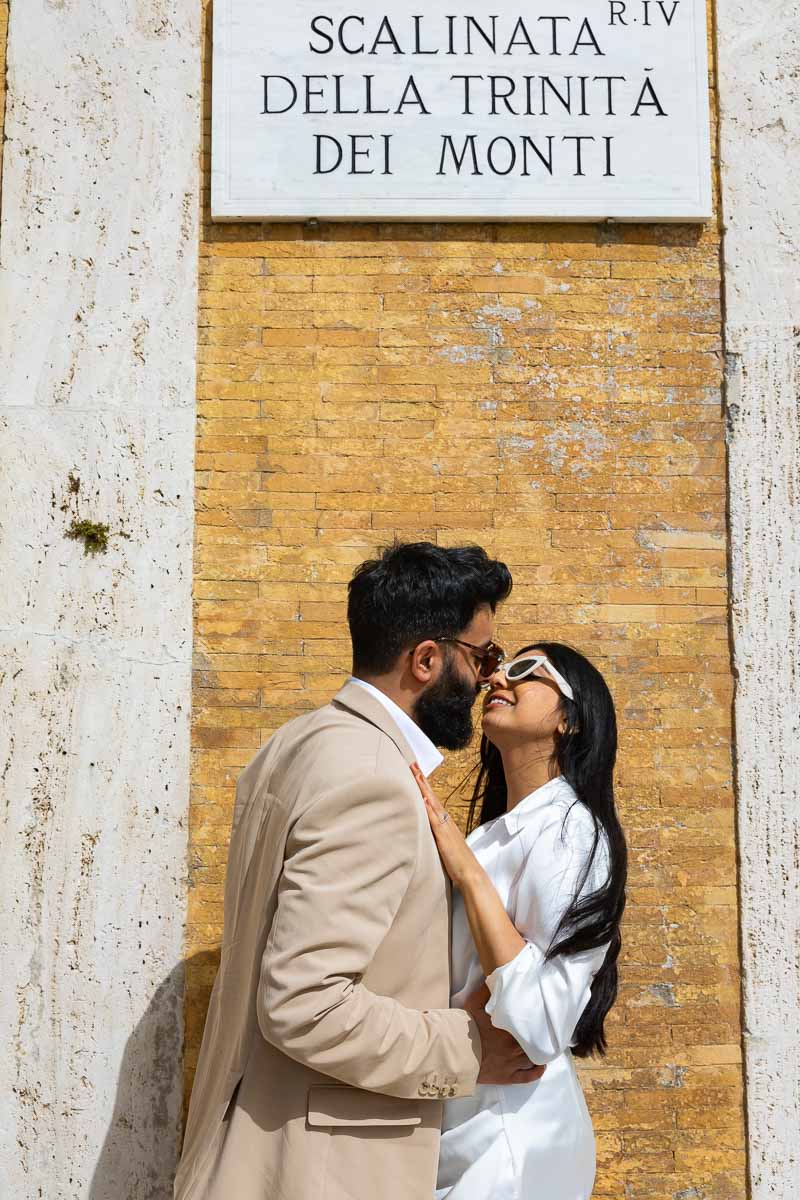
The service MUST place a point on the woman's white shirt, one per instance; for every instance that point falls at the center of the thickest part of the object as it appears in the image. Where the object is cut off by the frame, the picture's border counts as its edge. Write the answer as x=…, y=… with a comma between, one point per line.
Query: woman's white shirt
x=506, y=1143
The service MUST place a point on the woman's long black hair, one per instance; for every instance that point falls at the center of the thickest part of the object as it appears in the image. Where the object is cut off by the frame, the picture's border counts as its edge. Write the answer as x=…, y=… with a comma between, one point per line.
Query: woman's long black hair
x=585, y=755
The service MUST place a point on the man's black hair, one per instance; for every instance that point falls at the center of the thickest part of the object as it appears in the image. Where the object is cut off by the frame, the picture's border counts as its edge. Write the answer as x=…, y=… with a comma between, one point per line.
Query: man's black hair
x=415, y=591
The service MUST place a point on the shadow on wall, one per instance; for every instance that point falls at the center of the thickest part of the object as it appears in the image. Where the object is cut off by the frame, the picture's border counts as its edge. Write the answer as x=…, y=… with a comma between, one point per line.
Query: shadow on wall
x=141, y=1148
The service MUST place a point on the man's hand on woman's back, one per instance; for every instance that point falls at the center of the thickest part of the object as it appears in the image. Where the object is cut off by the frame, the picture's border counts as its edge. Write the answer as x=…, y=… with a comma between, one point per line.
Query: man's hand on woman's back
x=503, y=1059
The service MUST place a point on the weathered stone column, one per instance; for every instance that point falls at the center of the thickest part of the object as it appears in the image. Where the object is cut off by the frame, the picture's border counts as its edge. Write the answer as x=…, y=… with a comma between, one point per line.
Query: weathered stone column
x=98, y=293
x=759, y=81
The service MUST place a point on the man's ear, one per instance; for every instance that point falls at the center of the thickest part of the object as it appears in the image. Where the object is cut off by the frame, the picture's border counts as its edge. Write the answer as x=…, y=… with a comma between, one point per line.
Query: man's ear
x=426, y=661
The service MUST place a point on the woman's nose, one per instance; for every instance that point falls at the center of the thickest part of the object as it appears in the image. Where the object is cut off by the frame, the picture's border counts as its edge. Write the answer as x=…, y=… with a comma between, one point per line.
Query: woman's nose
x=497, y=678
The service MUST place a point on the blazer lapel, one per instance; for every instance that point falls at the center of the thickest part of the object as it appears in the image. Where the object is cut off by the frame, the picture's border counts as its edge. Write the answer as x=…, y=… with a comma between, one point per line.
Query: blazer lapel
x=357, y=700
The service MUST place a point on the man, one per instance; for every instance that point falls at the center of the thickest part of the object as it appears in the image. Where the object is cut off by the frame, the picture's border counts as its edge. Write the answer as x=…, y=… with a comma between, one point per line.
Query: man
x=329, y=1043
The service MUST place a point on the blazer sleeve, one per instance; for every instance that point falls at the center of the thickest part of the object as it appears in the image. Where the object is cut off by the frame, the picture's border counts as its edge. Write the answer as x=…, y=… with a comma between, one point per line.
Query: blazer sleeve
x=537, y=1000
x=349, y=859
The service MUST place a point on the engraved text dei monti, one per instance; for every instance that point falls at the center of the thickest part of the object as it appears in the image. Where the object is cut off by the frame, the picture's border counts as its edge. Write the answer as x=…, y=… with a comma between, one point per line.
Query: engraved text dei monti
x=581, y=109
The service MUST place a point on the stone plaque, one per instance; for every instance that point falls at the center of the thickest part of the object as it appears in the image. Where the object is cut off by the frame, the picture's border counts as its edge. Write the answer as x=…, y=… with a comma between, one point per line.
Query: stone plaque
x=576, y=109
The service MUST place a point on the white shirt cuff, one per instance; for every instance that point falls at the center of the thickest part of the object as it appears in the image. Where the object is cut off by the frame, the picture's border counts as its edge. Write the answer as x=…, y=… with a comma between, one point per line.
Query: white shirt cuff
x=529, y=958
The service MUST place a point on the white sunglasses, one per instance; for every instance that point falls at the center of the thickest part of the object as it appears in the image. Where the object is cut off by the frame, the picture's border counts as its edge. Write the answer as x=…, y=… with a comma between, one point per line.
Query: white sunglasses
x=524, y=666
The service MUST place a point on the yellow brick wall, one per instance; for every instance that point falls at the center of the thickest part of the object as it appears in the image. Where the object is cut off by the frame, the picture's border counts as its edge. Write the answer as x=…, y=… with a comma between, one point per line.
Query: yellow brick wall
x=553, y=392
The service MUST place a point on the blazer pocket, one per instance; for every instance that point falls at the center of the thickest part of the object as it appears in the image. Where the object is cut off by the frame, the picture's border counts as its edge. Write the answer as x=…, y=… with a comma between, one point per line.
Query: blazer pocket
x=329, y=1106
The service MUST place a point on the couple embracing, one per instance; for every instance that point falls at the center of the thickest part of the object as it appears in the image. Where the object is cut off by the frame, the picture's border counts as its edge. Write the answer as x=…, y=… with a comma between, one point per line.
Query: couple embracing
x=373, y=1033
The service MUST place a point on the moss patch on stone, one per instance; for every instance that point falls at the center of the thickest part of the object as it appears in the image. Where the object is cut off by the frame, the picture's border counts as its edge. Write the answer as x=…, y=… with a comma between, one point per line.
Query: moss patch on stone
x=93, y=534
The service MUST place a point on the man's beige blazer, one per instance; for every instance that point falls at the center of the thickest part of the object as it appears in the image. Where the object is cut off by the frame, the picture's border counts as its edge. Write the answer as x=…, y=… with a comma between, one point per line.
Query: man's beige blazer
x=329, y=1044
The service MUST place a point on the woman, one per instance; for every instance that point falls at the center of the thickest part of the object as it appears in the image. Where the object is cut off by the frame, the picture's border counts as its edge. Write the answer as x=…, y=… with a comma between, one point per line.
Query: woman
x=541, y=890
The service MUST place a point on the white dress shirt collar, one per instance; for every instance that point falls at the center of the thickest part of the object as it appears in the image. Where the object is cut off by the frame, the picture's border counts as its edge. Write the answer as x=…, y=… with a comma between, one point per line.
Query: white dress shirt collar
x=540, y=798
x=423, y=748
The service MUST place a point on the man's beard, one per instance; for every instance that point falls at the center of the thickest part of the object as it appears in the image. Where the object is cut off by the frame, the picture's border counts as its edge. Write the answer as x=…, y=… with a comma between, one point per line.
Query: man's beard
x=444, y=710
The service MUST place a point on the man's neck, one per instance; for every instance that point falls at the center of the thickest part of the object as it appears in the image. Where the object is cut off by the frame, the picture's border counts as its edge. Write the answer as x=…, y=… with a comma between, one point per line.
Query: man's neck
x=391, y=687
